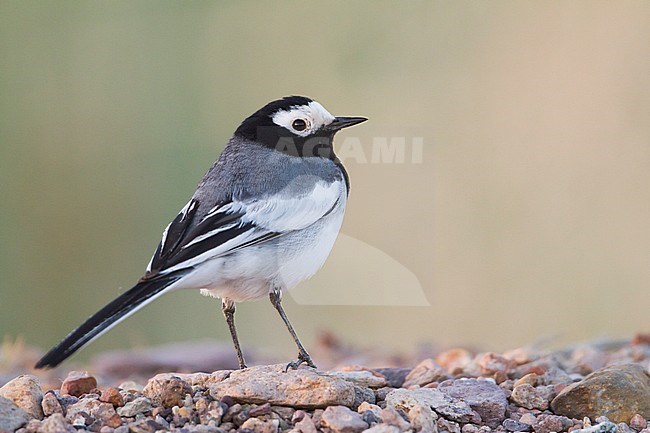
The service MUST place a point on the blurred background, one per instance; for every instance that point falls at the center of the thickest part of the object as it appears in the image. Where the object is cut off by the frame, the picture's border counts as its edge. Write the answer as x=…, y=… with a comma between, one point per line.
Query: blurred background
x=526, y=217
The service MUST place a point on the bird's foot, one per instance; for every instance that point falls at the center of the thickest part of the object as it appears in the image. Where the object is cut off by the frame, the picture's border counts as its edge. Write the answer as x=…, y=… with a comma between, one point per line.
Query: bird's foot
x=303, y=358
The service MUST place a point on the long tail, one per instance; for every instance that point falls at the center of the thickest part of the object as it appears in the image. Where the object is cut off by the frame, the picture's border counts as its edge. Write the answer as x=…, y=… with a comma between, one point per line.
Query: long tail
x=123, y=306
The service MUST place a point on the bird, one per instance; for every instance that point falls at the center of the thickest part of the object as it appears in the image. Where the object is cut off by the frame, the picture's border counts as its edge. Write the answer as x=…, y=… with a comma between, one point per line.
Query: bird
x=263, y=219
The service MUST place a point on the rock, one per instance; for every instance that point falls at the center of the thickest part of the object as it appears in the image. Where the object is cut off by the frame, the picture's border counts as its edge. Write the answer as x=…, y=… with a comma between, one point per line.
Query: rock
x=551, y=423
x=78, y=383
x=26, y=393
x=50, y=404
x=394, y=376
x=528, y=396
x=445, y=405
x=365, y=407
x=455, y=360
x=638, y=423
x=104, y=412
x=484, y=396
x=112, y=395
x=362, y=394
x=528, y=418
x=390, y=416
x=130, y=386
x=340, y=419
x=531, y=378
x=491, y=363
x=132, y=408
x=423, y=419
x=167, y=390
x=603, y=427
x=424, y=373
x=382, y=428
x=259, y=426
x=618, y=392
x=300, y=388
x=306, y=425
x=11, y=416
x=363, y=378
x=515, y=426
x=56, y=424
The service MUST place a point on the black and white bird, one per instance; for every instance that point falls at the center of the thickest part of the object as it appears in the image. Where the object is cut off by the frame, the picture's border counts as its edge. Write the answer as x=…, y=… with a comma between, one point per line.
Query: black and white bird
x=263, y=219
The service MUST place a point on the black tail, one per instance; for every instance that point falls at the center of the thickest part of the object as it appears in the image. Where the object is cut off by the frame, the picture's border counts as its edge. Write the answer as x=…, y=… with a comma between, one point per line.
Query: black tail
x=125, y=304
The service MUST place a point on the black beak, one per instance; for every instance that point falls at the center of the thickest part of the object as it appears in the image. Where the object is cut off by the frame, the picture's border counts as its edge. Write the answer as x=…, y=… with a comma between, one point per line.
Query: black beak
x=344, y=122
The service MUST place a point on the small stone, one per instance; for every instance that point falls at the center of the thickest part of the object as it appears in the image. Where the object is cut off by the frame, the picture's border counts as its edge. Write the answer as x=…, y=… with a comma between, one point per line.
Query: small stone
x=448, y=426
x=528, y=418
x=490, y=363
x=365, y=407
x=469, y=428
x=423, y=419
x=484, y=396
x=95, y=408
x=340, y=419
x=531, y=379
x=112, y=395
x=638, y=423
x=621, y=427
x=382, y=428
x=78, y=383
x=603, y=427
x=390, y=416
x=300, y=388
x=130, y=386
x=362, y=394
x=618, y=392
x=455, y=360
x=515, y=426
x=11, y=416
x=26, y=393
x=144, y=426
x=551, y=423
x=167, y=390
x=56, y=424
x=306, y=425
x=530, y=397
x=264, y=409
x=424, y=373
x=395, y=377
x=50, y=404
x=132, y=408
x=259, y=426
x=445, y=405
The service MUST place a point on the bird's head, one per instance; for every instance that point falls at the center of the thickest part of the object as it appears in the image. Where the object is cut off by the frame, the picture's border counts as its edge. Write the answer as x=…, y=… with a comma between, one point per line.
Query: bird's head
x=295, y=125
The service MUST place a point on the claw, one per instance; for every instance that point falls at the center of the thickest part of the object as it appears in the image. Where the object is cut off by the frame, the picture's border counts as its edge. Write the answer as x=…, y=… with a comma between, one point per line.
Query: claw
x=303, y=358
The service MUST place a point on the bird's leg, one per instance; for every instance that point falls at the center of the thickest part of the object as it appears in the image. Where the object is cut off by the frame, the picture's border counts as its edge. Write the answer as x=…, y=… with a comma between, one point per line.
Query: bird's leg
x=228, y=308
x=303, y=357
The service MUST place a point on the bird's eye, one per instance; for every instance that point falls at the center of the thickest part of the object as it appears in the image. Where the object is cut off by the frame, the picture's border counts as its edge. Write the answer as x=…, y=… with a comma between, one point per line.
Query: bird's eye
x=299, y=125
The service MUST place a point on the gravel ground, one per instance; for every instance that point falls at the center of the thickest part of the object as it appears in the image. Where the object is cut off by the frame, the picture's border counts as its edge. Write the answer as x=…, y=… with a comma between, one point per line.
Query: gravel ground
x=591, y=388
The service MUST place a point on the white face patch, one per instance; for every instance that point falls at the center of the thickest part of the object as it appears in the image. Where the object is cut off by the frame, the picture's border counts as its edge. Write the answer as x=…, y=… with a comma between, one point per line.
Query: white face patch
x=312, y=116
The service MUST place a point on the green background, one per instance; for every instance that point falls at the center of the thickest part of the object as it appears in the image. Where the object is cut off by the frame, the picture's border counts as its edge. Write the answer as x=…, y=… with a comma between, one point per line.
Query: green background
x=528, y=217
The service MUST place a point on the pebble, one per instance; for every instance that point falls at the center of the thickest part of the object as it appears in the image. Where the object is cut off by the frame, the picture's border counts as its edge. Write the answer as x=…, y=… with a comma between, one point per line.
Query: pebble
x=395, y=377
x=50, y=404
x=424, y=373
x=390, y=416
x=167, y=390
x=78, y=383
x=340, y=419
x=365, y=407
x=306, y=425
x=423, y=419
x=300, y=388
x=112, y=395
x=603, y=427
x=455, y=360
x=26, y=393
x=135, y=407
x=259, y=426
x=11, y=416
x=363, y=378
x=515, y=426
x=382, y=428
x=531, y=397
x=483, y=396
x=491, y=363
x=454, y=409
x=620, y=391
x=56, y=424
